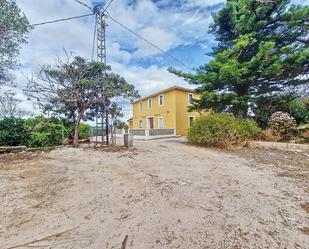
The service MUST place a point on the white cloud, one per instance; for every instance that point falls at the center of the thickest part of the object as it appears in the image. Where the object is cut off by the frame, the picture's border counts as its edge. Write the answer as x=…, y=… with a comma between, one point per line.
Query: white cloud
x=148, y=80
x=166, y=27
x=158, y=36
x=203, y=3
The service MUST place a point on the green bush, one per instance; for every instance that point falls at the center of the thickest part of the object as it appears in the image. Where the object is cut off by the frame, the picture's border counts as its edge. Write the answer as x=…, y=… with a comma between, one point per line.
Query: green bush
x=267, y=105
x=46, y=132
x=38, y=131
x=221, y=130
x=299, y=109
x=13, y=132
x=84, y=131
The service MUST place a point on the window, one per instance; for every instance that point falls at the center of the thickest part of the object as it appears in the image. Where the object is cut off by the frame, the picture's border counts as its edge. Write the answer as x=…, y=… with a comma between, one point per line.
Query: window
x=140, y=123
x=161, y=100
x=161, y=123
x=190, y=98
x=140, y=105
x=149, y=103
x=191, y=120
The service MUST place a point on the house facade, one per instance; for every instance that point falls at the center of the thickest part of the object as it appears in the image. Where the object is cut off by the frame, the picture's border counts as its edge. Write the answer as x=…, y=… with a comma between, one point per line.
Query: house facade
x=164, y=110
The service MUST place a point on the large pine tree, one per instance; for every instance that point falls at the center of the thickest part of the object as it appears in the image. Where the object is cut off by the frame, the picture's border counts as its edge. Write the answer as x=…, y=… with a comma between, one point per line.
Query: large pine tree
x=262, y=48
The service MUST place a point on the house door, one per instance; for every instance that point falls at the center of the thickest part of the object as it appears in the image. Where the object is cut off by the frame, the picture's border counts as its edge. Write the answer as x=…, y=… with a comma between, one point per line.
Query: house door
x=150, y=124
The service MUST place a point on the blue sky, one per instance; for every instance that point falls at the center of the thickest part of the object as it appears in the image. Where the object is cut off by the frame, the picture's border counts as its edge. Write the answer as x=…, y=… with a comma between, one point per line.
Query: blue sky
x=177, y=26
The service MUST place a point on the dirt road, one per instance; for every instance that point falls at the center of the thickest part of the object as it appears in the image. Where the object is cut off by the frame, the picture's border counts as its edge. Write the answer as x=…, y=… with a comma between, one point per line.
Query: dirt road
x=162, y=194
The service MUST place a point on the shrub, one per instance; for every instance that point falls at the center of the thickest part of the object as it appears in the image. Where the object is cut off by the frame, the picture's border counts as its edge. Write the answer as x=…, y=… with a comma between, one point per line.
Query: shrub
x=267, y=105
x=46, y=132
x=38, y=131
x=299, y=109
x=305, y=136
x=13, y=132
x=121, y=125
x=269, y=135
x=84, y=131
x=283, y=125
x=221, y=130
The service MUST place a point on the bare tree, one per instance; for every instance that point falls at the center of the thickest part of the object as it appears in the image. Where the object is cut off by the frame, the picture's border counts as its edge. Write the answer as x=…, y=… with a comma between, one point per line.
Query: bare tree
x=9, y=105
x=76, y=88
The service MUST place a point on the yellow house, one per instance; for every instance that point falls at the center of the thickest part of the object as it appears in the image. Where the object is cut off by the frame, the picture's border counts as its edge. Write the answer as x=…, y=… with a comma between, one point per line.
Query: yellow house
x=164, y=110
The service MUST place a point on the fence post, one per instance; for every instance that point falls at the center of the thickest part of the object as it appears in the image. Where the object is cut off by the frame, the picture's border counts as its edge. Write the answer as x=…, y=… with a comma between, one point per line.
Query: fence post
x=147, y=133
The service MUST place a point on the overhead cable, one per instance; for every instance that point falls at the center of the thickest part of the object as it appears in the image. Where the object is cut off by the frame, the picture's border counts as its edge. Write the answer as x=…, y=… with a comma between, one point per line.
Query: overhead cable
x=110, y=2
x=87, y=6
x=149, y=42
x=60, y=20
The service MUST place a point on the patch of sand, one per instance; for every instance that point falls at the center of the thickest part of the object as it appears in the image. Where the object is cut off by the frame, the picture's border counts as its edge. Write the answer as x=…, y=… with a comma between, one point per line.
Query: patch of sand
x=162, y=194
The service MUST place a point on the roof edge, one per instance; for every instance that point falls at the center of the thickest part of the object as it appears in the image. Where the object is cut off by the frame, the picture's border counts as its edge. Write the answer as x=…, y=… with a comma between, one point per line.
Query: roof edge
x=164, y=91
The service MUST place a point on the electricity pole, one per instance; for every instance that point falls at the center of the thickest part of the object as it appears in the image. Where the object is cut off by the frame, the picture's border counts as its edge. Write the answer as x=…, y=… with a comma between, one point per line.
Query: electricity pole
x=102, y=122
x=101, y=39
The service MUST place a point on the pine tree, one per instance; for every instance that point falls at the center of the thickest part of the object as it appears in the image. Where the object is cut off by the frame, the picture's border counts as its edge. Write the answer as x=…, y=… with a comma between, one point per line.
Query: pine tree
x=262, y=48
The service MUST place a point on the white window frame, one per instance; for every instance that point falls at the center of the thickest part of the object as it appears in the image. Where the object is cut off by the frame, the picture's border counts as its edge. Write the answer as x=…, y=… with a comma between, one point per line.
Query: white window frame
x=140, y=106
x=189, y=120
x=162, y=95
x=140, y=124
x=149, y=101
x=190, y=94
x=160, y=118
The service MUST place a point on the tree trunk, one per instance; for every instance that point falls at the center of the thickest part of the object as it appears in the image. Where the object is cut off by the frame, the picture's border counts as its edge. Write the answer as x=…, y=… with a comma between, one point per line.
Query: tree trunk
x=77, y=125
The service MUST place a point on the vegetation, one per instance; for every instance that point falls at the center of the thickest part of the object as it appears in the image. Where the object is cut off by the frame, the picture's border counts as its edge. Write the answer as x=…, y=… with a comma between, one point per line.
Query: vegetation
x=76, y=88
x=267, y=105
x=282, y=124
x=262, y=48
x=221, y=130
x=299, y=109
x=13, y=132
x=121, y=125
x=9, y=105
x=38, y=131
x=46, y=132
x=14, y=26
x=84, y=131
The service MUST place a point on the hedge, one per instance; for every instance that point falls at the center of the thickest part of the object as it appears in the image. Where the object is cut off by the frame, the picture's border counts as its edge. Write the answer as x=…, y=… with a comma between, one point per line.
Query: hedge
x=38, y=131
x=221, y=130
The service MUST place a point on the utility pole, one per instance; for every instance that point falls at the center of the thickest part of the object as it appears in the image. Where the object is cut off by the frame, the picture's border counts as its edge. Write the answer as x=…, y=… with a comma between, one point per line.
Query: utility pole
x=101, y=39
x=102, y=122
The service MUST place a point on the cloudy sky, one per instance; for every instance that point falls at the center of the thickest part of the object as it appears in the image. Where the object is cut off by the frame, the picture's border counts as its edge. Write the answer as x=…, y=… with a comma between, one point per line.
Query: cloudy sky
x=177, y=26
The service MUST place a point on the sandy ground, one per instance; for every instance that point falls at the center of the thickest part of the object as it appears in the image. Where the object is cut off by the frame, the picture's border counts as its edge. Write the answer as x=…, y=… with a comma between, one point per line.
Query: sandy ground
x=161, y=194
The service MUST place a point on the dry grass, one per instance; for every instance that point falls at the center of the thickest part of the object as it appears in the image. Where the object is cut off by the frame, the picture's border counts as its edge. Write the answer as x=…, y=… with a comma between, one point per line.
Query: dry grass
x=305, y=206
x=112, y=149
x=9, y=158
x=305, y=230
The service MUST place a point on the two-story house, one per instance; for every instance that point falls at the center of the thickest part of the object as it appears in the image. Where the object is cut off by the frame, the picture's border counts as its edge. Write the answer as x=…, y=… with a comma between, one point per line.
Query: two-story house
x=167, y=109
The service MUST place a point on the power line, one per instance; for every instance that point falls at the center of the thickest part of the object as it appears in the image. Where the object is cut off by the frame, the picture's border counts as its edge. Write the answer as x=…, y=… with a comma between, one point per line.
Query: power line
x=83, y=4
x=110, y=2
x=60, y=20
x=149, y=42
x=128, y=29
